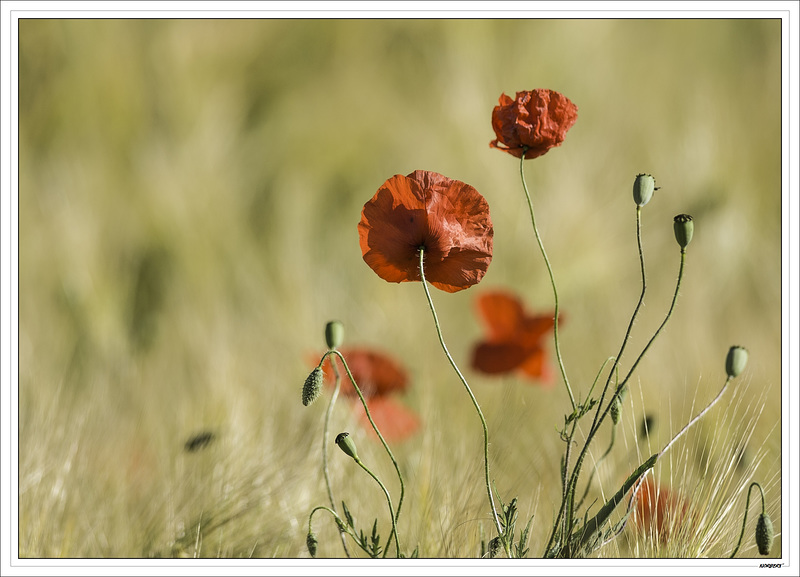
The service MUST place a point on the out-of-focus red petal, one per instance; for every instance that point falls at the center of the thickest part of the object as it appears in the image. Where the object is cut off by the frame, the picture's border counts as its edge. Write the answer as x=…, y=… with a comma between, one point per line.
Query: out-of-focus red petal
x=395, y=422
x=375, y=373
x=658, y=508
x=501, y=312
x=498, y=358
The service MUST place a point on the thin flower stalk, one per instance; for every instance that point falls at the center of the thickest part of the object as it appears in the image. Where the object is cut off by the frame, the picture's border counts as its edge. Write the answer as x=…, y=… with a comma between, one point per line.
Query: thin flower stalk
x=471, y=395
x=396, y=514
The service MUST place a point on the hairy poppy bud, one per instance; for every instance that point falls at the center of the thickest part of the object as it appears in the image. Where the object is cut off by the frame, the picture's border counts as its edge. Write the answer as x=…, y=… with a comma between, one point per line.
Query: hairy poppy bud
x=616, y=410
x=311, y=543
x=764, y=534
x=347, y=445
x=736, y=361
x=312, y=386
x=684, y=229
x=334, y=334
x=643, y=188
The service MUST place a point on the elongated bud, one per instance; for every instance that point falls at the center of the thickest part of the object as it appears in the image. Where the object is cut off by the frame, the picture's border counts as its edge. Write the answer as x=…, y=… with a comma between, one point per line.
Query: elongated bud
x=684, y=229
x=334, y=334
x=311, y=543
x=616, y=410
x=643, y=188
x=764, y=534
x=312, y=386
x=736, y=361
x=347, y=445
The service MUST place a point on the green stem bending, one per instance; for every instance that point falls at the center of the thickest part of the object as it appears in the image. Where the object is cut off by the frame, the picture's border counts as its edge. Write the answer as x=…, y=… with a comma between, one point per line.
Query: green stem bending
x=746, y=510
x=566, y=508
x=391, y=509
x=471, y=395
x=552, y=282
x=326, y=430
x=396, y=514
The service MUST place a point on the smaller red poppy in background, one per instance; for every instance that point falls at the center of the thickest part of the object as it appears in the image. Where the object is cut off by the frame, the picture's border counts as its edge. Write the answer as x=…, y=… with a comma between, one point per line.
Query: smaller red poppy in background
x=379, y=377
x=532, y=123
x=448, y=218
x=658, y=509
x=515, y=340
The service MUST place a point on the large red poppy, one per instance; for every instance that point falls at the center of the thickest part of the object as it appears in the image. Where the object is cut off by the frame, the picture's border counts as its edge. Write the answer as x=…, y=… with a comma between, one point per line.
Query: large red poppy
x=515, y=340
x=658, y=509
x=532, y=123
x=448, y=218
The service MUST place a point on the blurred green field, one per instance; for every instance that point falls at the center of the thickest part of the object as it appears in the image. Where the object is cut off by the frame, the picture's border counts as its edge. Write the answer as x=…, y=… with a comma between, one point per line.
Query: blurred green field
x=189, y=192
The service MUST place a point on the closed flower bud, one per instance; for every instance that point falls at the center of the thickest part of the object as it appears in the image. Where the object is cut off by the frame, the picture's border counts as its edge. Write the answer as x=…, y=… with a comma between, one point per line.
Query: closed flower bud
x=312, y=386
x=764, y=534
x=311, y=543
x=736, y=361
x=616, y=410
x=334, y=334
x=347, y=445
x=684, y=229
x=643, y=188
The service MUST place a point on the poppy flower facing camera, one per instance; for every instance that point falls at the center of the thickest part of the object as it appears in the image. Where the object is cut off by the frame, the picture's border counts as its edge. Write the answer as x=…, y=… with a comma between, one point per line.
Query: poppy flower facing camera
x=447, y=218
x=533, y=122
x=514, y=340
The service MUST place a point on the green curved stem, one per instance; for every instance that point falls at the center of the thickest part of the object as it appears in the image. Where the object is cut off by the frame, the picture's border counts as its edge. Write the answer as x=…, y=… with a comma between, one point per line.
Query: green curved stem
x=576, y=471
x=633, y=316
x=326, y=430
x=746, y=509
x=391, y=509
x=552, y=282
x=395, y=515
x=471, y=396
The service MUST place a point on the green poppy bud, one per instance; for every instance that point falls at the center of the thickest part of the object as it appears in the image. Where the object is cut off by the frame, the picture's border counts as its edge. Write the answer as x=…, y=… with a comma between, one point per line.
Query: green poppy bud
x=764, y=534
x=684, y=229
x=311, y=543
x=334, y=334
x=312, y=386
x=643, y=188
x=736, y=361
x=616, y=410
x=347, y=445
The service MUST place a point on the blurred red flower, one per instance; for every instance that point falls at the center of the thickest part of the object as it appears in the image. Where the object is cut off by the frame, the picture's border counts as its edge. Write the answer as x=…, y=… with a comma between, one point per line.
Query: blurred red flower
x=376, y=373
x=533, y=123
x=658, y=509
x=448, y=218
x=514, y=340
x=378, y=376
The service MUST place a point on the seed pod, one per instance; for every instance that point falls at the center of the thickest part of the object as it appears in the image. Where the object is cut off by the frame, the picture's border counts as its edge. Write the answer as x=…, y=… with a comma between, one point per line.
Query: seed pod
x=334, y=334
x=311, y=543
x=347, y=445
x=736, y=361
x=312, y=386
x=764, y=534
x=643, y=188
x=684, y=229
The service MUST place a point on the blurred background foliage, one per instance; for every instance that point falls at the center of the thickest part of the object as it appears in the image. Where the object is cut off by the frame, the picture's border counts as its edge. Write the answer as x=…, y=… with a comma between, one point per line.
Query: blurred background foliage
x=189, y=194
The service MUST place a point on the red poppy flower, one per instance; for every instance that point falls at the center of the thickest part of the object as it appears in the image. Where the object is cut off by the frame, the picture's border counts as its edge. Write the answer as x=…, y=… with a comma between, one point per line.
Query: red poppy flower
x=658, y=509
x=378, y=376
x=448, y=218
x=533, y=123
x=375, y=373
x=515, y=339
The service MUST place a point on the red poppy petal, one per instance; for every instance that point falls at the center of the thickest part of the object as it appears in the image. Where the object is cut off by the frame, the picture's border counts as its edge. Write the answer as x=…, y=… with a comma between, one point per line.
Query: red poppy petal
x=535, y=367
x=395, y=422
x=497, y=358
x=502, y=314
x=375, y=373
